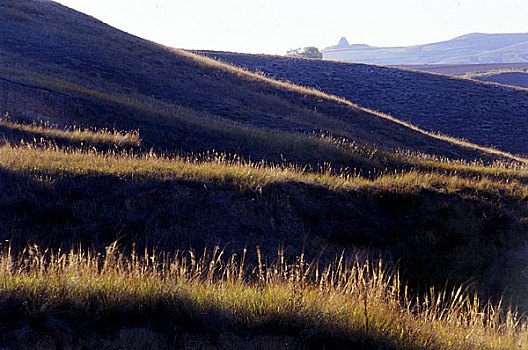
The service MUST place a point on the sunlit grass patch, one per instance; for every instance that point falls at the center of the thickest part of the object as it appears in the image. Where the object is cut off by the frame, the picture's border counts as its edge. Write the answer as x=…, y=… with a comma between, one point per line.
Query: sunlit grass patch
x=351, y=300
x=43, y=131
x=234, y=171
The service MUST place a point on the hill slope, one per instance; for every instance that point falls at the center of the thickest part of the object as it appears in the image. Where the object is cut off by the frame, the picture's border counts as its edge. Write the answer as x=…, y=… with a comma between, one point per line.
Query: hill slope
x=481, y=113
x=467, y=49
x=179, y=101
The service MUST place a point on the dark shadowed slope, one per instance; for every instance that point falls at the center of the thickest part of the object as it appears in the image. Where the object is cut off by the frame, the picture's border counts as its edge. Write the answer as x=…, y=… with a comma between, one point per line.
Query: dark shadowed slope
x=482, y=113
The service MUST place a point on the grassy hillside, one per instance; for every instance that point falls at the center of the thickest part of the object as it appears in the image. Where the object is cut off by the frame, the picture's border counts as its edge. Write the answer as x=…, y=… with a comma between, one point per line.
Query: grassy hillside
x=456, y=221
x=512, y=74
x=481, y=113
x=114, y=146
x=177, y=100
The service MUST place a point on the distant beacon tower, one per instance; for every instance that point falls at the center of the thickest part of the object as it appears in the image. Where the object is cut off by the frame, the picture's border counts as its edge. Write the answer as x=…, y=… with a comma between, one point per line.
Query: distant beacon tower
x=343, y=42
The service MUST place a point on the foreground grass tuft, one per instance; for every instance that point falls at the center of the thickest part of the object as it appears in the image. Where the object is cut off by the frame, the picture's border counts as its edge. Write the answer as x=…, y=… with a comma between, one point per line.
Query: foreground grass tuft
x=349, y=301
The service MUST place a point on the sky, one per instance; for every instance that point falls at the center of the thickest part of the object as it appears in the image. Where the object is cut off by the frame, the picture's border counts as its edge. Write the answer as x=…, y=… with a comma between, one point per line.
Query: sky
x=275, y=26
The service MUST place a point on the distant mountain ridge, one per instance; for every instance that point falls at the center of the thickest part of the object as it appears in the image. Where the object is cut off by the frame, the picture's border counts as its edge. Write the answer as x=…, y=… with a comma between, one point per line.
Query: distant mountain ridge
x=475, y=48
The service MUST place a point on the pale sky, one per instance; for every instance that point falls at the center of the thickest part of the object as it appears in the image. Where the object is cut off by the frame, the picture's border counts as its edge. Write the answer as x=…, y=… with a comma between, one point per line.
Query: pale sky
x=274, y=26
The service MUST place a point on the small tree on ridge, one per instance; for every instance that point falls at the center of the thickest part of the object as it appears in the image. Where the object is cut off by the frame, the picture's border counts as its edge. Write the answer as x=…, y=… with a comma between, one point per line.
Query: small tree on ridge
x=307, y=52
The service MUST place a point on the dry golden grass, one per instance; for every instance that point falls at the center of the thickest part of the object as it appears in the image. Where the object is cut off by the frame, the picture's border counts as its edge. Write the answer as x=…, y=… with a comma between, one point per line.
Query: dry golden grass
x=40, y=131
x=233, y=171
x=359, y=301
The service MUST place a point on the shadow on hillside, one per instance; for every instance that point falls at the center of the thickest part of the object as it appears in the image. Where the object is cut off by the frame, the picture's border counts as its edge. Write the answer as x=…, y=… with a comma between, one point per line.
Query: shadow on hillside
x=175, y=322
x=434, y=236
x=273, y=137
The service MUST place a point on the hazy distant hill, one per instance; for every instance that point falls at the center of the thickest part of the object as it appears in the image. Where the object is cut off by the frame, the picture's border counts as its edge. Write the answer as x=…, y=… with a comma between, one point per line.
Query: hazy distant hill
x=467, y=49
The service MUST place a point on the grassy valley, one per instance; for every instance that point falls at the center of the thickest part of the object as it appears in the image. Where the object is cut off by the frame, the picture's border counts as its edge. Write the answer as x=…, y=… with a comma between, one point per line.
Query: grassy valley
x=156, y=198
x=257, y=286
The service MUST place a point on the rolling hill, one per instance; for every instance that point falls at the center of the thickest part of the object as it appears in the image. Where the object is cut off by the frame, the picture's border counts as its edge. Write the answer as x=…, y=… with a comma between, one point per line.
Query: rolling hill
x=511, y=74
x=179, y=103
x=481, y=113
x=475, y=48
x=94, y=75
x=155, y=197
